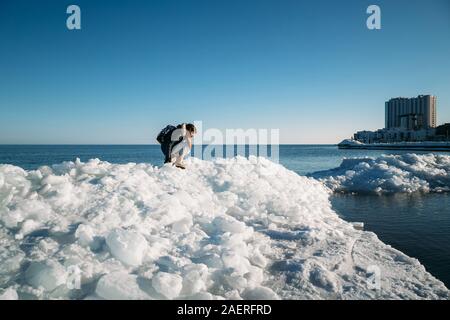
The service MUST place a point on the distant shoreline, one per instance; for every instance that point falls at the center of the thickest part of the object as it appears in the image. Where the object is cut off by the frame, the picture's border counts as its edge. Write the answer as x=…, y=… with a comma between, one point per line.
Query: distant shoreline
x=151, y=144
x=412, y=146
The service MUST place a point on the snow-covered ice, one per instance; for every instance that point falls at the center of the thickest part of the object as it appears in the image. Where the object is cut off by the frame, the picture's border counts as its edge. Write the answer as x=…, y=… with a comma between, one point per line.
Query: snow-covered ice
x=224, y=229
x=390, y=174
x=9, y=294
x=127, y=246
x=167, y=284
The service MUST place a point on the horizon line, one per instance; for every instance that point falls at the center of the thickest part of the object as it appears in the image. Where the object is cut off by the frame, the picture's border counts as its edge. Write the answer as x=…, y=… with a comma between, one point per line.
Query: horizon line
x=154, y=144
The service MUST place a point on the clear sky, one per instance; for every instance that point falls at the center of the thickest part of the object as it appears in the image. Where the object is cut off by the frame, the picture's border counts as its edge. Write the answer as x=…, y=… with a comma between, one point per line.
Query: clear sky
x=310, y=68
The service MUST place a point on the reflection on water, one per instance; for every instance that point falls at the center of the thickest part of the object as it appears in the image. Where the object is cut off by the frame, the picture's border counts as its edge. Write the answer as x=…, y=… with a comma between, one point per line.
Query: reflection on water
x=417, y=225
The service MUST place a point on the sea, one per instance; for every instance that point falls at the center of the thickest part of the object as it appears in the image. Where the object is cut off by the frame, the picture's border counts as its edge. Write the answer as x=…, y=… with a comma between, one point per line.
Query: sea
x=416, y=224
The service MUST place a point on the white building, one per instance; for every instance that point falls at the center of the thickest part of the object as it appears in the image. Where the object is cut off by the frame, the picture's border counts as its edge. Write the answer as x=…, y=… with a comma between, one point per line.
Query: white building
x=394, y=135
x=411, y=113
x=407, y=119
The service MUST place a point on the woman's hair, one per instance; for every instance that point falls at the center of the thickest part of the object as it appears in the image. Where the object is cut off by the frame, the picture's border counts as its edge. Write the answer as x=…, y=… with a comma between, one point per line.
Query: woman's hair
x=191, y=128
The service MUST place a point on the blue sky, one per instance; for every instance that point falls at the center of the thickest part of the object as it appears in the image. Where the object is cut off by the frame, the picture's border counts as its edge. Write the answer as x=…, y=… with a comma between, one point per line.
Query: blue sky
x=310, y=68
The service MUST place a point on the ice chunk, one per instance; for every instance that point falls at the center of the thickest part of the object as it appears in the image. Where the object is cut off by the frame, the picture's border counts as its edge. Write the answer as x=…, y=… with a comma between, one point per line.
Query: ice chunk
x=183, y=225
x=236, y=281
x=48, y=274
x=260, y=293
x=127, y=246
x=194, y=278
x=167, y=284
x=120, y=286
x=258, y=259
x=229, y=225
x=323, y=279
x=9, y=294
x=85, y=234
x=358, y=225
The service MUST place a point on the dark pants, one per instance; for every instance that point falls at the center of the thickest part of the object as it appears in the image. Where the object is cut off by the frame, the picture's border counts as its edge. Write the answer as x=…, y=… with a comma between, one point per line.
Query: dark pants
x=166, y=148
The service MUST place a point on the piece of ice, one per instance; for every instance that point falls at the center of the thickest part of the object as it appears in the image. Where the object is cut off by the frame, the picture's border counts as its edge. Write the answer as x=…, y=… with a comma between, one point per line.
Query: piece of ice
x=120, y=286
x=167, y=284
x=9, y=294
x=127, y=246
x=48, y=274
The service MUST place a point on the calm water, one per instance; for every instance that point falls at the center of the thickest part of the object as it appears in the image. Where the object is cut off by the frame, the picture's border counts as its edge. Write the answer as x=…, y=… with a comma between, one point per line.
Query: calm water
x=418, y=225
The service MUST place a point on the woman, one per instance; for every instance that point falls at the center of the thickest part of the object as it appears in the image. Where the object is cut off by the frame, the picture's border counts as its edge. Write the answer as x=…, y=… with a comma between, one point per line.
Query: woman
x=176, y=143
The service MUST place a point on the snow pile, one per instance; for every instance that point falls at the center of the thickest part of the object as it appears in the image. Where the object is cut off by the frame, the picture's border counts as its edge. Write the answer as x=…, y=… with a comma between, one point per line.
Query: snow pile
x=227, y=229
x=390, y=174
x=350, y=142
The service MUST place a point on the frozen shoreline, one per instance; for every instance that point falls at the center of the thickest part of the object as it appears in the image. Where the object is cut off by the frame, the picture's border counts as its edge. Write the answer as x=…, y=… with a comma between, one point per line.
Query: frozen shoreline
x=231, y=228
x=389, y=174
x=409, y=146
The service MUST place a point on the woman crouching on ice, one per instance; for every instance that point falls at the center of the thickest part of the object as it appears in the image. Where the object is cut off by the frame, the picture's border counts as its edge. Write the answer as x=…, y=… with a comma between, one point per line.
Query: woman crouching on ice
x=176, y=143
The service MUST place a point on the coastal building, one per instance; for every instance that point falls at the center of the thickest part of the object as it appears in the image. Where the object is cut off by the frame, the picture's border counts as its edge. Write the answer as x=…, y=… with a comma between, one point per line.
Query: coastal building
x=411, y=113
x=443, y=131
x=395, y=135
x=407, y=119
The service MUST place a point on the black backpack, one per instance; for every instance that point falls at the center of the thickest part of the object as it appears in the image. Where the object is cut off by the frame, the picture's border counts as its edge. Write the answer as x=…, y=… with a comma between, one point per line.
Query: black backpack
x=165, y=133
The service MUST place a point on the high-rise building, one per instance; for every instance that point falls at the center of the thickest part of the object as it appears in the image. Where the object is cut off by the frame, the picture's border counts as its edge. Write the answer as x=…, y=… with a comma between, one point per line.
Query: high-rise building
x=411, y=113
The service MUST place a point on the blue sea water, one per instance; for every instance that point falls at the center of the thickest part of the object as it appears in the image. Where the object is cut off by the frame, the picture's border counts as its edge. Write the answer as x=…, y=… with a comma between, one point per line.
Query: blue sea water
x=418, y=225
